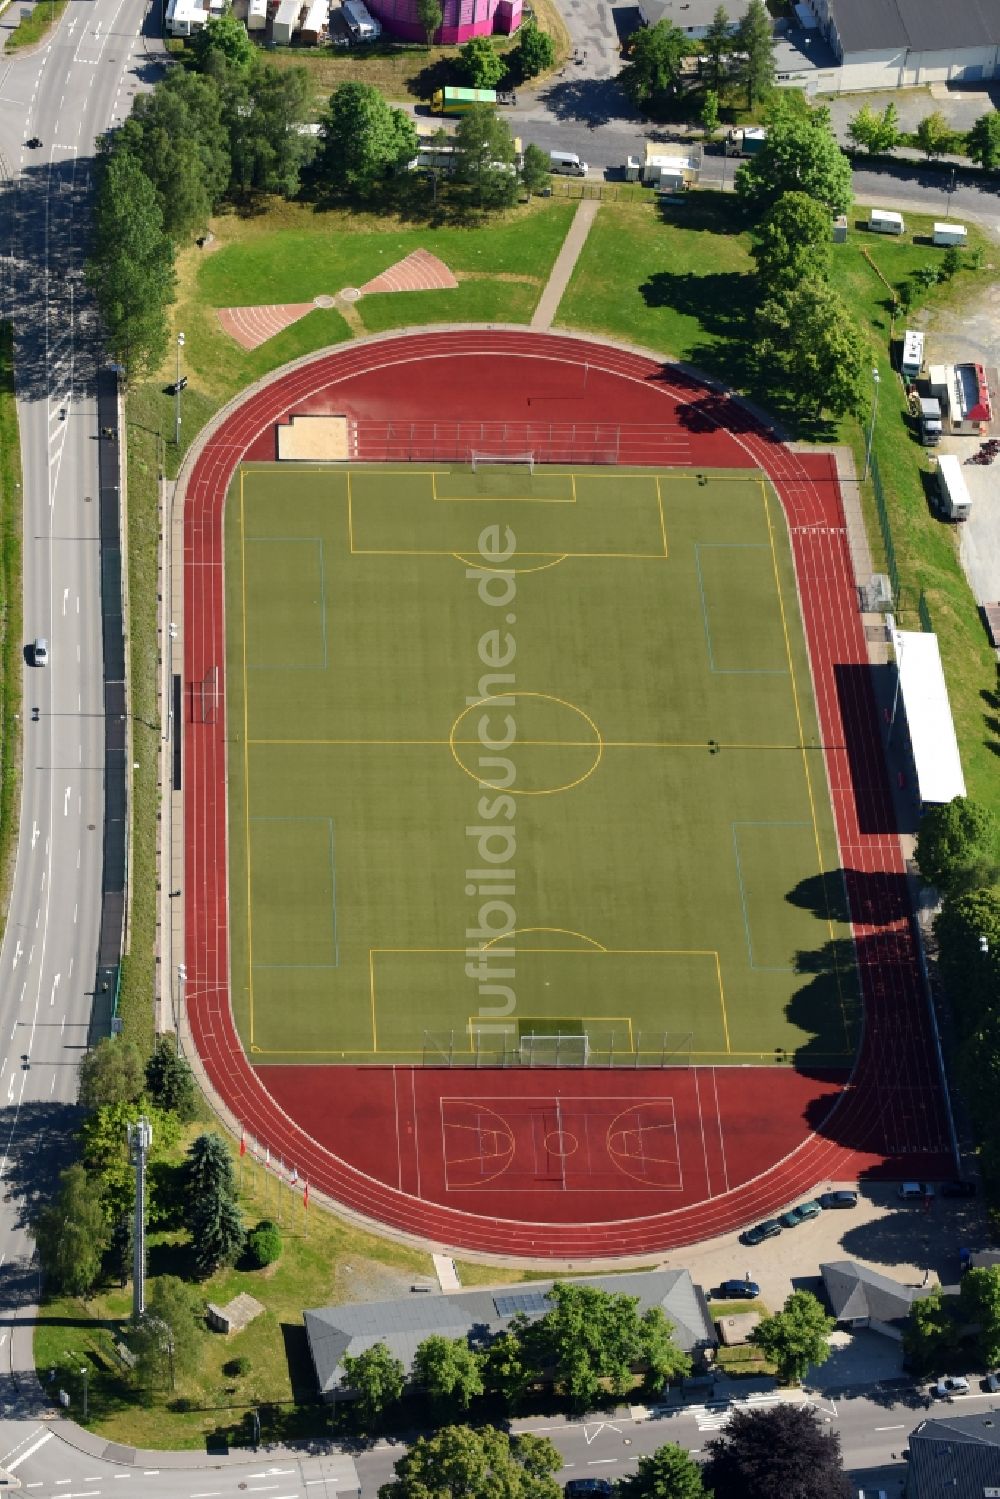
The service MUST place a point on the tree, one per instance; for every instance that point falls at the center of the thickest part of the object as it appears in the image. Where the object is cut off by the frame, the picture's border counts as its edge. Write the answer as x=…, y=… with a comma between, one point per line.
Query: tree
x=968, y=933
x=933, y=134
x=459, y=1463
x=166, y=1341
x=264, y=1244
x=362, y=139
x=875, y=131
x=535, y=51
x=930, y=1333
x=480, y=63
x=782, y=1450
x=662, y=1358
x=667, y=1473
x=263, y=110
x=177, y=133
x=710, y=112
x=792, y=241
x=717, y=45
x=448, y=1370
x=958, y=846
x=808, y=338
x=800, y=154
x=376, y=1379
x=983, y=140
x=222, y=37
x=72, y=1234
x=654, y=66
x=104, y=1144
x=980, y=1303
x=590, y=1336
x=506, y=1371
x=535, y=168
x=484, y=157
x=754, y=43
x=212, y=1212
x=430, y=15
x=170, y=1081
x=132, y=268
x=111, y=1073
x=795, y=1337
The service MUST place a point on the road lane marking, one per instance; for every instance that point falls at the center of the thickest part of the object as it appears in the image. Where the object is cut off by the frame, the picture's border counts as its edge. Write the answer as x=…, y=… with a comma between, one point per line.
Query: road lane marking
x=65, y=600
x=66, y=802
x=17, y=952
x=212, y=1493
x=55, y=986
x=890, y=1428
x=46, y=1436
x=34, y=833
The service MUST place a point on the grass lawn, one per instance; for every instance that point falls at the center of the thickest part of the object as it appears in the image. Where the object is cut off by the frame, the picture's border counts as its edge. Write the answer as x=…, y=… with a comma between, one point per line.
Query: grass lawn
x=11, y=639
x=36, y=25
x=323, y=1261
x=679, y=284
x=354, y=760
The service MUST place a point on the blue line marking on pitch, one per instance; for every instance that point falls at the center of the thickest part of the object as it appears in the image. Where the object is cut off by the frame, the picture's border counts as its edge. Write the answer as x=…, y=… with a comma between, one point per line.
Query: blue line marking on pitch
x=332, y=852
x=758, y=967
x=730, y=671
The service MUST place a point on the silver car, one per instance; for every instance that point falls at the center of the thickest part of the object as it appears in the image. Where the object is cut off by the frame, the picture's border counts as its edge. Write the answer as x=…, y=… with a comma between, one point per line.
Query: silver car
x=40, y=651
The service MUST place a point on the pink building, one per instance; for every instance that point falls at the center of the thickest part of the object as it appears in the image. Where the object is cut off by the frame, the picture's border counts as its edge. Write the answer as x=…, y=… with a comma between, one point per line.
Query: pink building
x=462, y=18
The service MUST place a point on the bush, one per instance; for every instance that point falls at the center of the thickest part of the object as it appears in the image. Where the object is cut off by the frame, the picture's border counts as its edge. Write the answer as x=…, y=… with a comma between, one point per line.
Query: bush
x=264, y=1244
x=235, y=1368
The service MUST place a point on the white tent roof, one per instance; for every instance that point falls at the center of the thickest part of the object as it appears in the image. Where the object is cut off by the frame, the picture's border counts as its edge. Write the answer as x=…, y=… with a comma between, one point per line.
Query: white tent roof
x=924, y=700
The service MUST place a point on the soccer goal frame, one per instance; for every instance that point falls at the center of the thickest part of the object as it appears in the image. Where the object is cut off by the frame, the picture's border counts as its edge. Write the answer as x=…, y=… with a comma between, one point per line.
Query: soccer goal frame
x=479, y=459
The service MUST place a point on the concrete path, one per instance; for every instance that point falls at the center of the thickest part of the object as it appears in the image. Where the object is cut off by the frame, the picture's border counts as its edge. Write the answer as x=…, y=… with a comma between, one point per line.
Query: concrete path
x=548, y=302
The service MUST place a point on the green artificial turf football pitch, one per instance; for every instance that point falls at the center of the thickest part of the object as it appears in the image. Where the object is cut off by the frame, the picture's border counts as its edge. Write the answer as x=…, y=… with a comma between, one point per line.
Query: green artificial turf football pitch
x=633, y=844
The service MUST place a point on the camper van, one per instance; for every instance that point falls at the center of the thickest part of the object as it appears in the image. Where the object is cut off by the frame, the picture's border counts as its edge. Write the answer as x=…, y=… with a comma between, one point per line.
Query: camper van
x=882, y=222
x=950, y=234
x=913, y=355
x=567, y=164
x=360, y=22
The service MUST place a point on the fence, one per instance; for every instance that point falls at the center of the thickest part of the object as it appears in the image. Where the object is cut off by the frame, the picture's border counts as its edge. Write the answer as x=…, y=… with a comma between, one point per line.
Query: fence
x=575, y=444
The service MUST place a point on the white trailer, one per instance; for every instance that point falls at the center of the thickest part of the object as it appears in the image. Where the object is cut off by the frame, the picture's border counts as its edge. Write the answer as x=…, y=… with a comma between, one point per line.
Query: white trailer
x=669, y=171
x=286, y=22
x=360, y=22
x=956, y=501
x=913, y=354
x=185, y=17
x=257, y=15
x=883, y=222
x=950, y=234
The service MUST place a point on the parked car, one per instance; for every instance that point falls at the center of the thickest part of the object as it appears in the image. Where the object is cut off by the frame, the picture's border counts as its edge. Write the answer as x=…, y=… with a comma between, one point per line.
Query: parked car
x=992, y=1382
x=40, y=651
x=800, y=1213
x=950, y=1386
x=838, y=1200
x=739, y=1290
x=958, y=1189
x=770, y=1229
x=914, y=1191
x=588, y=1488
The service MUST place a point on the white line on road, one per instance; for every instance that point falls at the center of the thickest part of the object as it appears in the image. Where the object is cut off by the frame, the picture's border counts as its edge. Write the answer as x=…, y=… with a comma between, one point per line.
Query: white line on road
x=55, y=986
x=46, y=1436
x=17, y=952
x=212, y=1493
x=66, y=803
x=65, y=599
x=890, y=1428
x=597, y=1462
x=34, y=834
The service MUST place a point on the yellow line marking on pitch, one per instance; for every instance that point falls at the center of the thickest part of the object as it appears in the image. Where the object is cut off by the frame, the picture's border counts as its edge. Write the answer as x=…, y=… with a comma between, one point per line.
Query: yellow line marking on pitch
x=663, y=524
x=246, y=758
x=823, y=873
x=562, y=931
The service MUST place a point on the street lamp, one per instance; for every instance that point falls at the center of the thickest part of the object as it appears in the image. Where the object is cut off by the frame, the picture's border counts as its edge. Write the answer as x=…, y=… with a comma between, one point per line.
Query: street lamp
x=86, y=1374
x=984, y=946
x=951, y=189
x=182, y=974
x=876, y=377
x=177, y=393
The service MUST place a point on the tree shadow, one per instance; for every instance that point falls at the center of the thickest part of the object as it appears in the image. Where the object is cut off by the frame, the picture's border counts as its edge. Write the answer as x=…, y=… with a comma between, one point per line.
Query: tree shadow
x=592, y=102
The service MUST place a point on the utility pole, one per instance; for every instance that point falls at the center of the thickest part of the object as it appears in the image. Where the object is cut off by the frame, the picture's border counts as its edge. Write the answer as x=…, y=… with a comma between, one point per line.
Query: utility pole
x=876, y=377
x=140, y=1138
x=177, y=393
x=182, y=974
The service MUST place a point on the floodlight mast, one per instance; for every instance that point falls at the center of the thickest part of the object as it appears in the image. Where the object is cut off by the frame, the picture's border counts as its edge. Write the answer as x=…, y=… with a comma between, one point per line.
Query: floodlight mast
x=140, y=1138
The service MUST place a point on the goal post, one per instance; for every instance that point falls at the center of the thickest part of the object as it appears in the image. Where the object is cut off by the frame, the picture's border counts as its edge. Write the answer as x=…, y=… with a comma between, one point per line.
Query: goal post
x=536, y=1049
x=479, y=460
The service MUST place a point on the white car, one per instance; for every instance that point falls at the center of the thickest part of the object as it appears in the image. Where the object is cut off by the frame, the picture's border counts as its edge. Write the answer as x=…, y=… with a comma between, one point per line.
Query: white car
x=950, y=1386
x=40, y=652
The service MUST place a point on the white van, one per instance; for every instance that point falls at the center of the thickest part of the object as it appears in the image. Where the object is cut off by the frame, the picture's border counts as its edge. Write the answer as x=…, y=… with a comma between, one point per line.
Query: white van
x=882, y=222
x=567, y=164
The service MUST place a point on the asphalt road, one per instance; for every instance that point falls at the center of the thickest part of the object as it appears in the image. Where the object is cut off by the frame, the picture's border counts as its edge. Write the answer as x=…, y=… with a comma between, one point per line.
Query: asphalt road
x=66, y=94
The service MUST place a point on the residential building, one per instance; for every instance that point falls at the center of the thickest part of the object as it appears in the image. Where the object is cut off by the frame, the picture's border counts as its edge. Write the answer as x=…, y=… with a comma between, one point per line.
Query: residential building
x=861, y=1297
x=691, y=16
x=957, y=1456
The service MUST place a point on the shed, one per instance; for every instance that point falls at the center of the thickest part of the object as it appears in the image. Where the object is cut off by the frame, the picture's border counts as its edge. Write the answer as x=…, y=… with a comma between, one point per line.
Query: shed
x=922, y=710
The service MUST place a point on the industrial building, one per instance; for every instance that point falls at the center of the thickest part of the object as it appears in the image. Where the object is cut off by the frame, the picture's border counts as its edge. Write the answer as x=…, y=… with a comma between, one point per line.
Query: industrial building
x=882, y=44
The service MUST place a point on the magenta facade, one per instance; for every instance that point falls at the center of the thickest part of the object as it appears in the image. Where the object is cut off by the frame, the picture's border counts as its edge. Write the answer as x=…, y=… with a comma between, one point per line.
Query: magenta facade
x=462, y=18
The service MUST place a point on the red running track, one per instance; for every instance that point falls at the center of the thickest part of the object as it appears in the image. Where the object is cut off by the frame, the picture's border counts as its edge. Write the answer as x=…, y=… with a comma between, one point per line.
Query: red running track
x=381, y=1141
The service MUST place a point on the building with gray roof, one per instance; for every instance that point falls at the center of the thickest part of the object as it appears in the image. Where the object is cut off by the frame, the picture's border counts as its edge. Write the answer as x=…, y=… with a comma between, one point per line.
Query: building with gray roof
x=861, y=1297
x=693, y=17
x=481, y=1316
x=905, y=43
x=955, y=1455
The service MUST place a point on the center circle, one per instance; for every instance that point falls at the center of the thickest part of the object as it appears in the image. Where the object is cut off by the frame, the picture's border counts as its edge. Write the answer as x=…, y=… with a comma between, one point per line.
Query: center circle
x=560, y=1142
x=472, y=737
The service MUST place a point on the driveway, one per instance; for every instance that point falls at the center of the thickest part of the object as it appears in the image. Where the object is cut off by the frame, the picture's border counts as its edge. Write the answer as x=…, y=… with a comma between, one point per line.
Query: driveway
x=960, y=107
